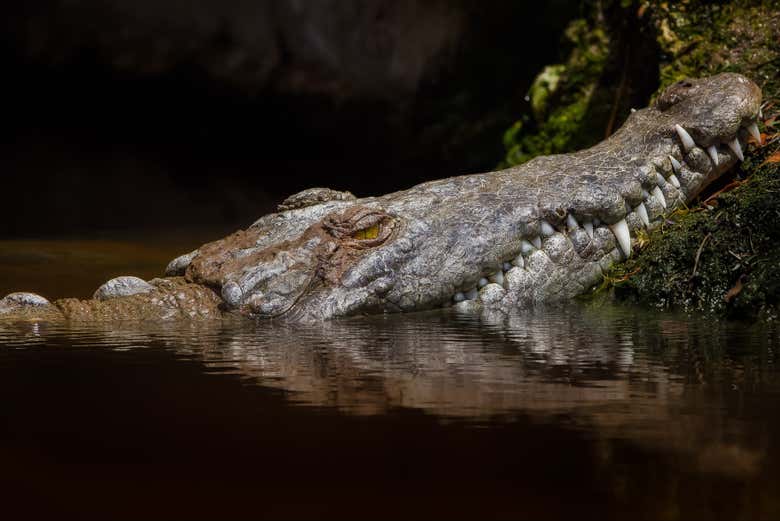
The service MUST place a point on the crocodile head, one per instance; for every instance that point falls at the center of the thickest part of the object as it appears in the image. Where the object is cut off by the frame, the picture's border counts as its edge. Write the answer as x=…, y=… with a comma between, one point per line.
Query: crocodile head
x=541, y=231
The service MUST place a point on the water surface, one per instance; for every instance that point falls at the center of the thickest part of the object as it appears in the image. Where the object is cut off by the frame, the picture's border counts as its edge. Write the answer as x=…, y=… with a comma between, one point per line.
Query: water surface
x=574, y=412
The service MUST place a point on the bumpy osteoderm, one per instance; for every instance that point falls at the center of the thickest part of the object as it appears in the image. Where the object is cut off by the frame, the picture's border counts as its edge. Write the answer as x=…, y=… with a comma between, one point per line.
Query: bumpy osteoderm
x=542, y=231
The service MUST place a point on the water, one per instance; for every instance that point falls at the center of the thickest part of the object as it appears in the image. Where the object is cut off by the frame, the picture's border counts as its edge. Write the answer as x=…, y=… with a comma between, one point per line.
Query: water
x=574, y=412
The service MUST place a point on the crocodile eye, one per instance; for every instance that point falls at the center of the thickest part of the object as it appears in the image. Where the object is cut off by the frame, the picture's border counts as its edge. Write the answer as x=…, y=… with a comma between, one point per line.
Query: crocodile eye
x=366, y=234
x=361, y=227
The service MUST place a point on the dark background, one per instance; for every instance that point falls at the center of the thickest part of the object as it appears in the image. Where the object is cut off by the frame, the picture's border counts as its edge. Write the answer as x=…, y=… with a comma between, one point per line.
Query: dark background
x=162, y=114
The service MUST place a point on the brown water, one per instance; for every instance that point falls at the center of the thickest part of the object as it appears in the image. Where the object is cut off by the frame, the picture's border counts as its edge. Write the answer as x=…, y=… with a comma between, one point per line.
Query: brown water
x=575, y=412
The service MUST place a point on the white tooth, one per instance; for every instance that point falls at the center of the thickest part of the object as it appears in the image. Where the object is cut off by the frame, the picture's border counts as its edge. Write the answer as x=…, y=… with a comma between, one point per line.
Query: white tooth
x=676, y=166
x=712, y=150
x=660, y=179
x=736, y=148
x=660, y=196
x=519, y=261
x=633, y=110
x=471, y=294
x=537, y=241
x=571, y=222
x=645, y=194
x=686, y=138
x=620, y=229
x=753, y=129
x=526, y=247
x=588, y=228
x=675, y=182
x=459, y=297
x=507, y=266
x=760, y=113
x=498, y=278
x=642, y=213
x=482, y=282
x=546, y=228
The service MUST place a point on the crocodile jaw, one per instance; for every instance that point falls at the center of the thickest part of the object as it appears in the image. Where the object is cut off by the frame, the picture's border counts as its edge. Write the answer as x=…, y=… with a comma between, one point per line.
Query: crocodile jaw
x=546, y=230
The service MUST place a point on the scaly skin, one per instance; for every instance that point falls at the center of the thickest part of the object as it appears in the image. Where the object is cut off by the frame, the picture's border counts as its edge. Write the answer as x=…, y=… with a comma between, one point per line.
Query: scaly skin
x=542, y=231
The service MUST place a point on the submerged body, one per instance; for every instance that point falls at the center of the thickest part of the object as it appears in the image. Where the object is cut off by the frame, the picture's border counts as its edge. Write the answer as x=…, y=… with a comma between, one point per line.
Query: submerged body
x=543, y=231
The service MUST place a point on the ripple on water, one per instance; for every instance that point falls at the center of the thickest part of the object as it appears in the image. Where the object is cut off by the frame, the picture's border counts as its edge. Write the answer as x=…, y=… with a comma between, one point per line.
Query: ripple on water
x=602, y=397
x=544, y=361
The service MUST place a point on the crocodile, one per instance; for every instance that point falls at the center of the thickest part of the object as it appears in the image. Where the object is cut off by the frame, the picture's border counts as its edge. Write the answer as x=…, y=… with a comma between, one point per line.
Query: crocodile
x=543, y=231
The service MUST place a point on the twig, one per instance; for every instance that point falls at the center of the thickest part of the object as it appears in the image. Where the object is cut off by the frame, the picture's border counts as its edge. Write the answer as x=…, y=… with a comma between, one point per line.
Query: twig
x=698, y=254
x=764, y=64
x=735, y=255
x=750, y=240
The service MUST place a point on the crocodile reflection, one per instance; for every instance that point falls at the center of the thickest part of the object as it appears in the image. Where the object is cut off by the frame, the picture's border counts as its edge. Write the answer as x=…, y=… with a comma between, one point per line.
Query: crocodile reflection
x=617, y=372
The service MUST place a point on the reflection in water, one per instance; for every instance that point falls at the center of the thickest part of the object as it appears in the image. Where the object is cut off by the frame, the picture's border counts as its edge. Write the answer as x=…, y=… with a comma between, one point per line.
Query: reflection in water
x=704, y=391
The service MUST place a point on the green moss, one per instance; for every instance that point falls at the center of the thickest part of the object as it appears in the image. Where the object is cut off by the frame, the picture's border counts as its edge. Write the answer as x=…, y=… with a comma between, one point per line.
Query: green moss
x=545, y=85
x=556, y=135
x=702, y=38
x=560, y=97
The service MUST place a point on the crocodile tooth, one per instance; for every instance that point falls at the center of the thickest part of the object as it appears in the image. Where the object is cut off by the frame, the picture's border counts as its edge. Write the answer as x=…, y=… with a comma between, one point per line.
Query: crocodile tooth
x=546, y=228
x=712, y=150
x=645, y=194
x=660, y=196
x=676, y=166
x=506, y=266
x=588, y=228
x=519, y=261
x=660, y=179
x=482, y=282
x=620, y=229
x=571, y=222
x=526, y=247
x=687, y=140
x=675, y=182
x=736, y=148
x=471, y=294
x=753, y=129
x=760, y=113
x=642, y=213
x=459, y=297
x=498, y=278
x=537, y=241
